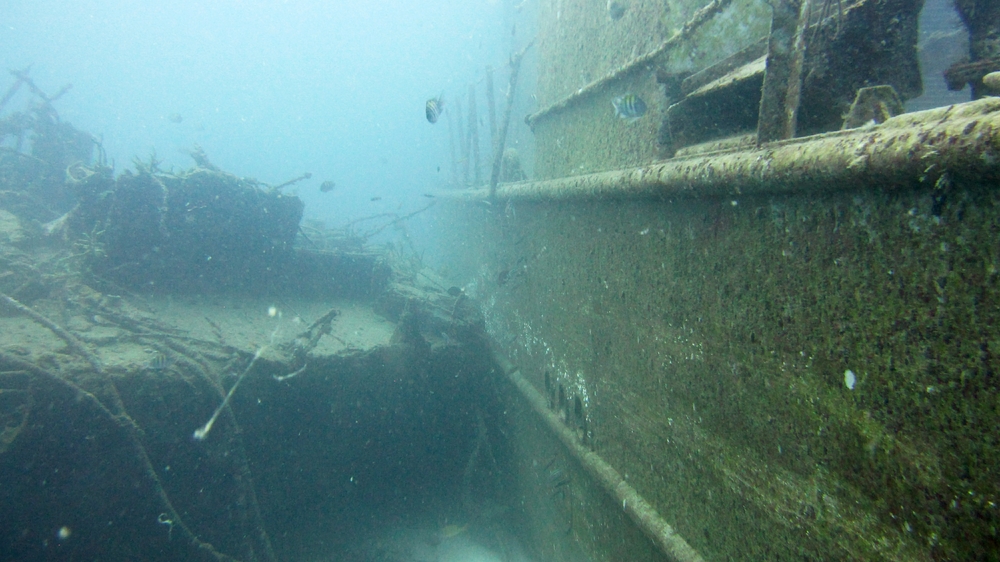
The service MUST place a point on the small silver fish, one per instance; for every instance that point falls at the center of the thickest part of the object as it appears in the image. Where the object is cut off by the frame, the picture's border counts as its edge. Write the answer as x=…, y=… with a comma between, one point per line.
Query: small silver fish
x=433, y=108
x=160, y=362
x=629, y=107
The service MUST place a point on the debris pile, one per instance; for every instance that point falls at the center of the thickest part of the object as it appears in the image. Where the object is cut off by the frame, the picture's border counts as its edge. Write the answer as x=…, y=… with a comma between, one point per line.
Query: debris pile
x=202, y=229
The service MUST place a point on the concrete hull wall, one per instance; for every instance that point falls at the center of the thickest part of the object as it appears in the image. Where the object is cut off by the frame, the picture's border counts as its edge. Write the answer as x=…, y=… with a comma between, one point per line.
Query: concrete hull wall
x=800, y=375
x=789, y=351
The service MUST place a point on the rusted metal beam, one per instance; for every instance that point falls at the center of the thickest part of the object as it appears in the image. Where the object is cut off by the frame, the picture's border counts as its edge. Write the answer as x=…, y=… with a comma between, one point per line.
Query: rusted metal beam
x=906, y=151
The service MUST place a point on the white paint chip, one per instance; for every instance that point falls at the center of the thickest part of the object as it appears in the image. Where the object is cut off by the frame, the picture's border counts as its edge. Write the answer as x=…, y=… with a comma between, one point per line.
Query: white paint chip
x=849, y=379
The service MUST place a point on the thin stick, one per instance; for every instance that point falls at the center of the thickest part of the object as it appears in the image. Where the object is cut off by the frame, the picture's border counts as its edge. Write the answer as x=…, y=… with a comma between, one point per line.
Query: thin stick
x=22, y=75
x=11, y=91
x=307, y=239
x=304, y=176
x=451, y=147
x=515, y=67
x=368, y=235
x=201, y=433
x=368, y=218
x=463, y=153
x=296, y=373
x=60, y=93
x=67, y=337
x=122, y=419
x=323, y=322
x=239, y=451
x=467, y=145
x=133, y=431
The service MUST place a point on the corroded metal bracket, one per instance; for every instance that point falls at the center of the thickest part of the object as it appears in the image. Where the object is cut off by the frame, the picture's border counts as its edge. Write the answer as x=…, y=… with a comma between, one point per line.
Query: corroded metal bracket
x=779, y=100
x=810, y=74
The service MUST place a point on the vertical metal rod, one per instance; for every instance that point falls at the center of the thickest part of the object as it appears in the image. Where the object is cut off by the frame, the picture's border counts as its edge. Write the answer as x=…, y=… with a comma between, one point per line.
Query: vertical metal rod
x=515, y=67
x=474, y=133
x=491, y=106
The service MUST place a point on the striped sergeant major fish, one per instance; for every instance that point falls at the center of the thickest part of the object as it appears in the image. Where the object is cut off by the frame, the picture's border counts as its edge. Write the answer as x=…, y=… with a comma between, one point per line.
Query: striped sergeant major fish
x=433, y=108
x=160, y=362
x=629, y=107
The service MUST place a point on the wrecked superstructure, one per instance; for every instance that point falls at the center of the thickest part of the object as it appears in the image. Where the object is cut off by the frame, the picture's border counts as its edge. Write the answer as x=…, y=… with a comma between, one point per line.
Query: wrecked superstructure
x=187, y=372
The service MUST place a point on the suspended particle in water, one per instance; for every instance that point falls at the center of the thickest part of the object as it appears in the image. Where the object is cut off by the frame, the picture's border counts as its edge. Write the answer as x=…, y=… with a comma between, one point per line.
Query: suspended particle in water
x=616, y=9
x=849, y=379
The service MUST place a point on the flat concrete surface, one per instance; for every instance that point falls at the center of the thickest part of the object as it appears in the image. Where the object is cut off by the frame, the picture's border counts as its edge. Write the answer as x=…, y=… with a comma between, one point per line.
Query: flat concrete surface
x=240, y=323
